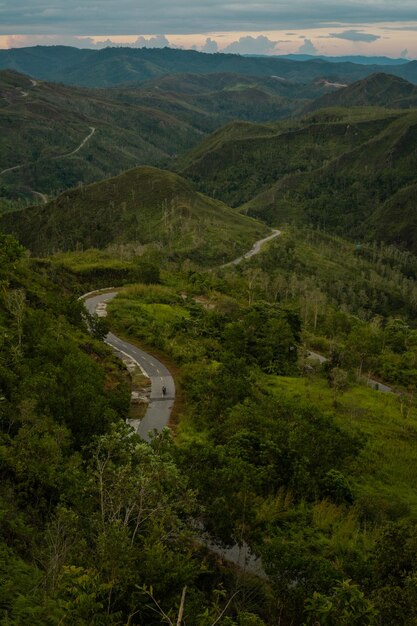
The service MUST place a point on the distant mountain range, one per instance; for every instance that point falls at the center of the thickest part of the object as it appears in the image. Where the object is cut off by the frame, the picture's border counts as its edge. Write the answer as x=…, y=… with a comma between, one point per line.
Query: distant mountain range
x=117, y=66
x=354, y=58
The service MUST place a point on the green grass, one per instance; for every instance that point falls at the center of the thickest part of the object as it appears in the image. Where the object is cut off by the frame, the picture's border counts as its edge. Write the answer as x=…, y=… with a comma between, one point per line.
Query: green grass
x=385, y=473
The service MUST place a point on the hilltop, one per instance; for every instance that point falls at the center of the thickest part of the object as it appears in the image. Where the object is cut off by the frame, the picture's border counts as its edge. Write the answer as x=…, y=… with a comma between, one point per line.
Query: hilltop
x=382, y=90
x=142, y=206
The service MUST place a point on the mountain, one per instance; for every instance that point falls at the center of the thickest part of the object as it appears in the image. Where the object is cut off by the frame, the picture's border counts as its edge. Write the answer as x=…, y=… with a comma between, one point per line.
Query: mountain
x=353, y=58
x=44, y=126
x=238, y=161
x=367, y=191
x=116, y=66
x=350, y=171
x=44, y=123
x=142, y=206
x=382, y=90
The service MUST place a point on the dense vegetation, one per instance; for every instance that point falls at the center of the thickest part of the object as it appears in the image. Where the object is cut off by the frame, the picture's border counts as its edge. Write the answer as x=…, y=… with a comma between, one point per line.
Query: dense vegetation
x=97, y=526
x=310, y=467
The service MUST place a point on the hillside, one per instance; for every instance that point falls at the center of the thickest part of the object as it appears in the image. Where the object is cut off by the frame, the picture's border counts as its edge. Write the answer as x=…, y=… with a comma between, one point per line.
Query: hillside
x=210, y=100
x=382, y=90
x=348, y=170
x=240, y=160
x=365, y=192
x=44, y=122
x=116, y=66
x=142, y=206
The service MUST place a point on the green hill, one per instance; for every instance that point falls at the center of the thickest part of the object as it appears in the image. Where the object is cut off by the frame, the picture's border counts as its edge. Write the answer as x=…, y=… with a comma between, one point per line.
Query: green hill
x=150, y=125
x=364, y=192
x=382, y=90
x=348, y=170
x=142, y=206
x=241, y=160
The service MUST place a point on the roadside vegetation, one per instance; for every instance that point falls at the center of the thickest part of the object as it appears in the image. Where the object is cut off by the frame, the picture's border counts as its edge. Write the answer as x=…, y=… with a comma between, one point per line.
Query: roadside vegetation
x=304, y=462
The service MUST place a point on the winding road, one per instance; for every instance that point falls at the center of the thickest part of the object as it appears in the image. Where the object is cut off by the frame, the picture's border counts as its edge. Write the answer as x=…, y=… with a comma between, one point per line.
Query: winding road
x=160, y=405
x=59, y=156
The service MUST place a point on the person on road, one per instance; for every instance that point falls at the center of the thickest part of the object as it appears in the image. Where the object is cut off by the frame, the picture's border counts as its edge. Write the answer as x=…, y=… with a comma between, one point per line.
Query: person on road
x=164, y=390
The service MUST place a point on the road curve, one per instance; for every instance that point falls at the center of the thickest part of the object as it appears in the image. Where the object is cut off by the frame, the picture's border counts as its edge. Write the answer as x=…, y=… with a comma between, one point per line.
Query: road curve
x=160, y=405
x=78, y=148
x=256, y=248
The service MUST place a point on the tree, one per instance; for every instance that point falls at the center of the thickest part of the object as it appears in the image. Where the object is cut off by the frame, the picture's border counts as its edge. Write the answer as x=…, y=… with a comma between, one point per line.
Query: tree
x=345, y=606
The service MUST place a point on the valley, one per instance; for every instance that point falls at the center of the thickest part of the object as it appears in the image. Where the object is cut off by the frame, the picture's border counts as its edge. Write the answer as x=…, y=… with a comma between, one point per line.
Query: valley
x=245, y=228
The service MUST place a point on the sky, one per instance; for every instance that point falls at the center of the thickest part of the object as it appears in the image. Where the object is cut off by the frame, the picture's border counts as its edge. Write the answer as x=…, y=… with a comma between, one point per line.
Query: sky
x=338, y=27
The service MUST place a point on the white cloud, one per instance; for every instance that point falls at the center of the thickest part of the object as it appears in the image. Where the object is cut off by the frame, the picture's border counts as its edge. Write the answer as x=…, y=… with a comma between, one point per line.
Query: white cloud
x=404, y=53
x=307, y=47
x=210, y=46
x=252, y=45
x=159, y=41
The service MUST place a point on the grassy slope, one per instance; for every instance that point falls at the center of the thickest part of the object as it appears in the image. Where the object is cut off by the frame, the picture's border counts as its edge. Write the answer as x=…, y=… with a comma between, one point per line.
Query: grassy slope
x=384, y=475
x=144, y=205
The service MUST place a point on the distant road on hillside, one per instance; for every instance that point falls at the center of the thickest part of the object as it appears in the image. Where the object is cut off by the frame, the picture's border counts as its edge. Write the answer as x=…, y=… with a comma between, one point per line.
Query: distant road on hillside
x=256, y=248
x=53, y=158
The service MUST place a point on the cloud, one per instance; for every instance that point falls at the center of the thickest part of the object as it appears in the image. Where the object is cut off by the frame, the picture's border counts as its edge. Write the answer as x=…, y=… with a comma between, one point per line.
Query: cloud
x=21, y=41
x=124, y=17
x=160, y=41
x=307, y=47
x=210, y=46
x=404, y=53
x=356, y=35
x=252, y=45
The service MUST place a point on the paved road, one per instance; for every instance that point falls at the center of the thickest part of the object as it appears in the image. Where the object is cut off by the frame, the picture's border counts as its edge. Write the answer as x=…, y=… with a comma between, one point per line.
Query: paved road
x=256, y=248
x=60, y=156
x=160, y=406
